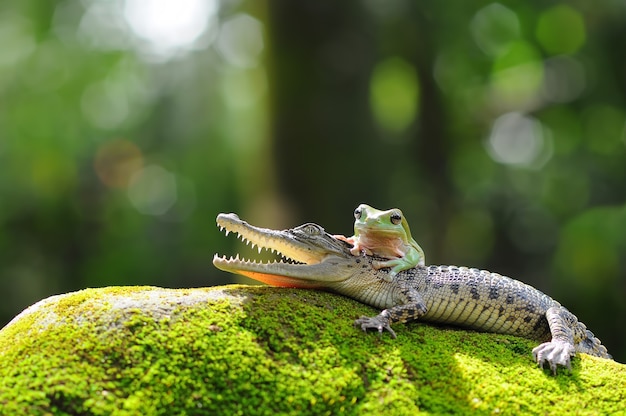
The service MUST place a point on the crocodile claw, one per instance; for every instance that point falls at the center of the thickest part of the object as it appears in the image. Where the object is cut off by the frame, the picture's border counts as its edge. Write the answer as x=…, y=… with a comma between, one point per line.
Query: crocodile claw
x=554, y=353
x=376, y=322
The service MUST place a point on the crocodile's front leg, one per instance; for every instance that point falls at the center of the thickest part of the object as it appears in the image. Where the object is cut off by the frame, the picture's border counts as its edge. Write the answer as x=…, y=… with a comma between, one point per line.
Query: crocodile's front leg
x=411, y=307
x=561, y=348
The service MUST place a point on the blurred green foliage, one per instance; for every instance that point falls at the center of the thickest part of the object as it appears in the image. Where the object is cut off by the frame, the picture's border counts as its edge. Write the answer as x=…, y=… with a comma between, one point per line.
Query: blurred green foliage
x=498, y=128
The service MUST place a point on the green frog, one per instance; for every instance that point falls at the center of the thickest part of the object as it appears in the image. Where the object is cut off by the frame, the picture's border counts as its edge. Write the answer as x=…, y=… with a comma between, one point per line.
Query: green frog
x=384, y=234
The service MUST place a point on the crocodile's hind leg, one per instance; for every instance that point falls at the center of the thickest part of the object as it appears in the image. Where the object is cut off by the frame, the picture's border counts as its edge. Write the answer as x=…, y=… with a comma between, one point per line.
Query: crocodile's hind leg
x=561, y=348
x=589, y=344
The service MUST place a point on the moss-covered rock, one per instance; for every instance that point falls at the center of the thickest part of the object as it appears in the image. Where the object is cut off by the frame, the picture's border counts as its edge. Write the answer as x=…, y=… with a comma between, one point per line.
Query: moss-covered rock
x=262, y=350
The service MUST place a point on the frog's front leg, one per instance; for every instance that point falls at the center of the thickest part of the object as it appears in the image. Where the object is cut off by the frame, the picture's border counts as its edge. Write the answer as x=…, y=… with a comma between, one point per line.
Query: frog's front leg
x=357, y=249
x=410, y=260
x=396, y=265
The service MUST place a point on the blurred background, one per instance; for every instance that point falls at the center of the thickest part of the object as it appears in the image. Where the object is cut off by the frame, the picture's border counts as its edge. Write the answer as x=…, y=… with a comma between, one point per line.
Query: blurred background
x=126, y=126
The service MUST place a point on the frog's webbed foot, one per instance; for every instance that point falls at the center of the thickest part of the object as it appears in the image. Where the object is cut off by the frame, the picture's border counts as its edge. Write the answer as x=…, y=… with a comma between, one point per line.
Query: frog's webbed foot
x=554, y=353
x=396, y=265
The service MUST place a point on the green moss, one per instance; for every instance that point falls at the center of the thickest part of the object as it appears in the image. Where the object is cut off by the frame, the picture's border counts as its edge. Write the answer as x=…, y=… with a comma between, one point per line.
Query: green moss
x=263, y=350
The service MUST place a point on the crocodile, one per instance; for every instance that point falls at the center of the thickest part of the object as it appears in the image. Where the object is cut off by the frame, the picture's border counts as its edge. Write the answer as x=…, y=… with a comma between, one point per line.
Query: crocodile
x=461, y=296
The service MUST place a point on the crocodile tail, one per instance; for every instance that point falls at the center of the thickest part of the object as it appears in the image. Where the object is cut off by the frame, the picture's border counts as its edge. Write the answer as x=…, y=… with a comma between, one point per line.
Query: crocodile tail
x=589, y=344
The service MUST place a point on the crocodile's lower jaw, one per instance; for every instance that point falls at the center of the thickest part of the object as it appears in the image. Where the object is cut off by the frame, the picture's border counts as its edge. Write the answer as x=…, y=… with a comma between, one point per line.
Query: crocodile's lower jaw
x=263, y=272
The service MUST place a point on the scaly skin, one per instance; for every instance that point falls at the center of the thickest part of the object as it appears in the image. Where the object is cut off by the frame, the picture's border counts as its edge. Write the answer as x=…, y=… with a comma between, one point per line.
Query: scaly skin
x=461, y=296
x=384, y=234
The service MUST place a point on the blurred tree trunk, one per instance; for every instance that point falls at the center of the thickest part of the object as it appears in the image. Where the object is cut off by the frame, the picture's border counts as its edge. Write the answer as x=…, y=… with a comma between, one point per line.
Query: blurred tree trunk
x=329, y=152
x=321, y=56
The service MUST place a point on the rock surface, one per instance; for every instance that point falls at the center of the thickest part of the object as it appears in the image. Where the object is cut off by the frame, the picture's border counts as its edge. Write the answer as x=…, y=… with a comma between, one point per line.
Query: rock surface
x=263, y=350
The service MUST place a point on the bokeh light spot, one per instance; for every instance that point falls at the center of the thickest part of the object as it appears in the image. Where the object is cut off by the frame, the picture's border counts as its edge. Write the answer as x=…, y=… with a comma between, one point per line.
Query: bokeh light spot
x=169, y=26
x=119, y=100
x=153, y=190
x=518, y=139
x=240, y=41
x=561, y=30
x=116, y=161
x=104, y=105
x=517, y=77
x=101, y=26
x=394, y=94
x=494, y=27
x=16, y=39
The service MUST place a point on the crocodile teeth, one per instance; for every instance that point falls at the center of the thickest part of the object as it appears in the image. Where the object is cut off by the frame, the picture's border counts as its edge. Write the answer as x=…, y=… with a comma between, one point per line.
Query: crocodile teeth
x=259, y=246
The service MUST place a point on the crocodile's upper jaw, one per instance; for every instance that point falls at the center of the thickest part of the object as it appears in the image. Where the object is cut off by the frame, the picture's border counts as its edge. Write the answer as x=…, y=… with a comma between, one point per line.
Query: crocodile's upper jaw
x=316, y=252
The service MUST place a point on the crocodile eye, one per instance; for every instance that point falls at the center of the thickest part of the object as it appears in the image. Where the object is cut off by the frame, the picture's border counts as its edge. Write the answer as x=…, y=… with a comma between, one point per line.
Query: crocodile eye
x=357, y=213
x=311, y=229
x=396, y=218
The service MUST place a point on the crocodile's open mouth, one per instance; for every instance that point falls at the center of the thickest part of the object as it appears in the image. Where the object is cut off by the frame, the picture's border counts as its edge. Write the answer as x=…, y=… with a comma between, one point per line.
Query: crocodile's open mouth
x=301, y=249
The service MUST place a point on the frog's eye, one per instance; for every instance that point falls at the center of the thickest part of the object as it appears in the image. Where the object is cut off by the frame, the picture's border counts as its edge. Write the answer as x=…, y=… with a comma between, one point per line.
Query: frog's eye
x=357, y=213
x=396, y=218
